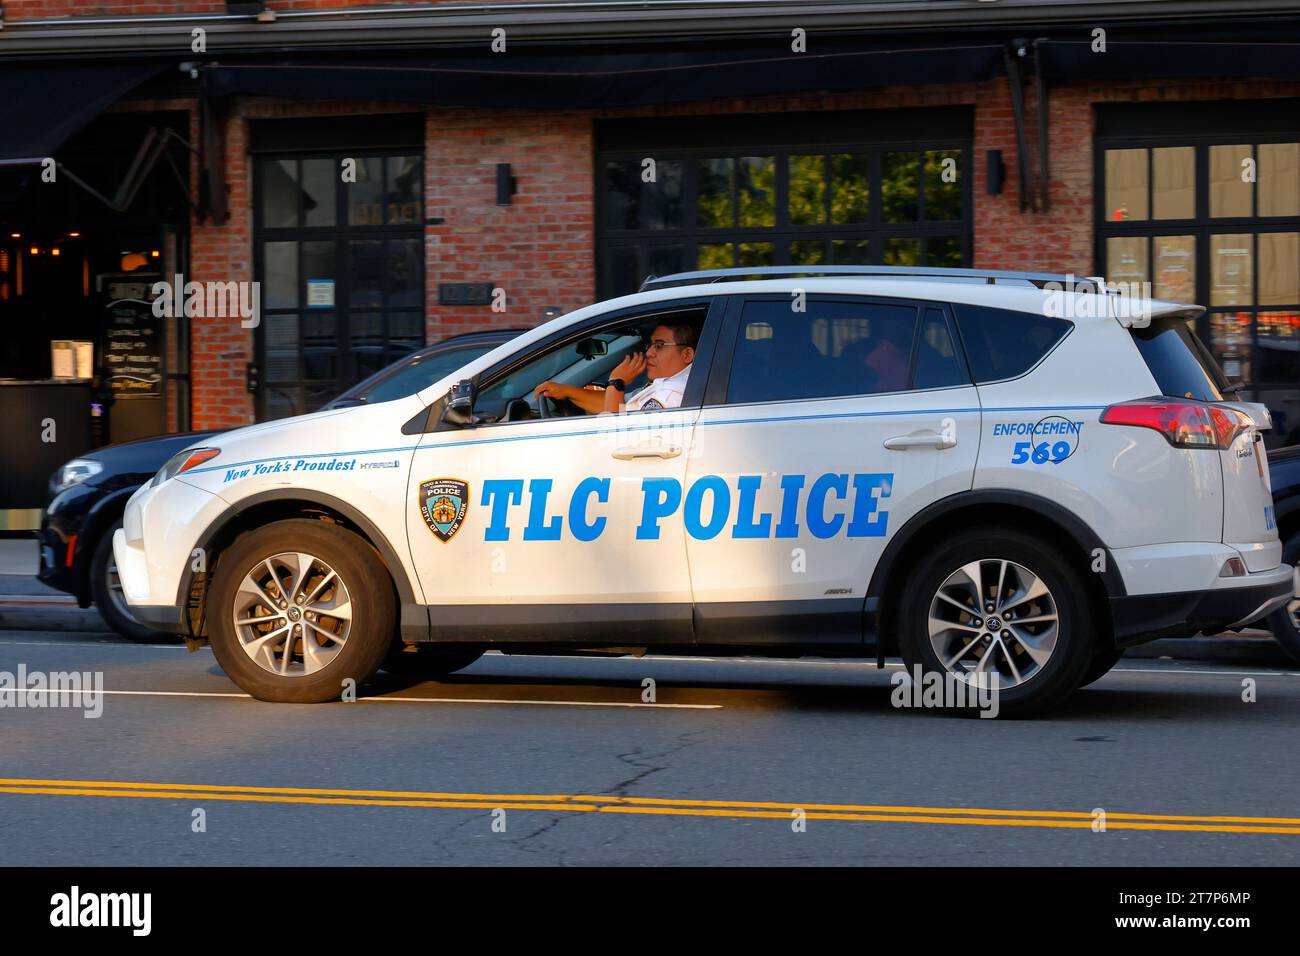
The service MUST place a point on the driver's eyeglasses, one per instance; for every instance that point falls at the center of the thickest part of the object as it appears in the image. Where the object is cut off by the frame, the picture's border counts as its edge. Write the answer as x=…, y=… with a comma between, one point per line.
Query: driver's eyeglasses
x=659, y=344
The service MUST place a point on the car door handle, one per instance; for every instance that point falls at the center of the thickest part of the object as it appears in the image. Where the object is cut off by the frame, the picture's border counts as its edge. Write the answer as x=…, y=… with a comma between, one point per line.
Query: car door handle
x=920, y=439
x=635, y=452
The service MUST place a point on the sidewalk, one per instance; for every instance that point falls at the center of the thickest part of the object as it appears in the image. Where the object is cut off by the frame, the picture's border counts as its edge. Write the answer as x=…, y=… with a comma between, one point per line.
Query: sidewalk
x=28, y=605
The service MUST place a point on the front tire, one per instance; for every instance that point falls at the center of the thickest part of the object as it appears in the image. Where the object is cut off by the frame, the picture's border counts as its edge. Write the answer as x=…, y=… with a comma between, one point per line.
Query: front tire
x=106, y=592
x=991, y=600
x=297, y=608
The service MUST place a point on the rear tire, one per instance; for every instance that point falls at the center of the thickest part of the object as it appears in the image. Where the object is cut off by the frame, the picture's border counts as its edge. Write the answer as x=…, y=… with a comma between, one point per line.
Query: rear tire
x=1030, y=596
x=106, y=592
x=1283, y=622
x=328, y=605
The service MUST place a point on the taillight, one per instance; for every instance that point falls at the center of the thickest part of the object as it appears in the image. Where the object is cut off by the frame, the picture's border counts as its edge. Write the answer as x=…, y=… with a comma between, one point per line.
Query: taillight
x=1183, y=424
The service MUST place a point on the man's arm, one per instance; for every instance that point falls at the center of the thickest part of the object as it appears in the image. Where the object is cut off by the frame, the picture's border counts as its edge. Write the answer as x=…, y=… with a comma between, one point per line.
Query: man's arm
x=624, y=372
x=588, y=400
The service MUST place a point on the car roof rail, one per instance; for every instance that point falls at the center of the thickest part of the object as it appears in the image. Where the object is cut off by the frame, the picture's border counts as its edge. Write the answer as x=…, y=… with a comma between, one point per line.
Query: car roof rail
x=933, y=274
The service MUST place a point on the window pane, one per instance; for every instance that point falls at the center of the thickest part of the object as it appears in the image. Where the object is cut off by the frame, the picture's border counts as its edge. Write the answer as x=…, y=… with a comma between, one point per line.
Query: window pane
x=367, y=329
x=1279, y=179
x=1175, y=268
x=1173, y=195
x=898, y=187
x=419, y=374
x=405, y=202
x=1126, y=184
x=943, y=185
x=936, y=359
x=281, y=282
x=279, y=193
x=807, y=195
x=756, y=192
x=1279, y=268
x=850, y=188
x=665, y=260
x=1126, y=259
x=902, y=252
x=720, y=255
x=317, y=262
x=365, y=196
x=1231, y=270
x=1229, y=191
x=405, y=276
x=367, y=258
x=1230, y=343
x=944, y=251
x=631, y=203
x=624, y=269
x=757, y=254
x=834, y=348
x=1279, y=347
x=1001, y=344
x=318, y=179
x=405, y=333
x=713, y=204
x=849, y=252
x=807, y=252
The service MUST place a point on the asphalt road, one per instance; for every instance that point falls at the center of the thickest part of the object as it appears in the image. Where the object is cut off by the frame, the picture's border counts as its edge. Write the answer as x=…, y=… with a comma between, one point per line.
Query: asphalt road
x=558, y=761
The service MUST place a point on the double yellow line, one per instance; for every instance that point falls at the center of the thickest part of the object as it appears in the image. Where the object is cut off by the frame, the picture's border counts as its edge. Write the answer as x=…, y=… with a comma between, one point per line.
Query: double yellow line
x=579, y=803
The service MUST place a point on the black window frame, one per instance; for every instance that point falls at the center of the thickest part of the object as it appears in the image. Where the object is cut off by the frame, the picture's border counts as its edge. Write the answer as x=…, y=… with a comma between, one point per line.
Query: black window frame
x=1201, y=126
x=875, y=133
x=340, y=234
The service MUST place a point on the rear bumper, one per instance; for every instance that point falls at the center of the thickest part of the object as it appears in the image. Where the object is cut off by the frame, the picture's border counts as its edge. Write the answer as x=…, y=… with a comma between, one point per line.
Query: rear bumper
x=1232, y=602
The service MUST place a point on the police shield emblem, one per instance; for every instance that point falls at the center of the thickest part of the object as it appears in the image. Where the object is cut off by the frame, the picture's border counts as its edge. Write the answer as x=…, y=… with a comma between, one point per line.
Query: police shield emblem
x=442, y=505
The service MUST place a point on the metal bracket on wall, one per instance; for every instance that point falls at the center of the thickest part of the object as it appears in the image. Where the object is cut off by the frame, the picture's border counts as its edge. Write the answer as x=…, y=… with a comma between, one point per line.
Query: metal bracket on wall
x=1033, y=187
x=152, y=148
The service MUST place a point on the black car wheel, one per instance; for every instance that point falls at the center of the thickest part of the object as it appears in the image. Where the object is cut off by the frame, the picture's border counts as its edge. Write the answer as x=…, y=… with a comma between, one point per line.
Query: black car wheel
x=106, y=590
x=1285, y=622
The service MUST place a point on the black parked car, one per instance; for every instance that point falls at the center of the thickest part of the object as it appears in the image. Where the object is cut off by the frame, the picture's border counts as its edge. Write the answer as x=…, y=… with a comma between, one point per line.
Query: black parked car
x=89, y=494
x=1284, y=471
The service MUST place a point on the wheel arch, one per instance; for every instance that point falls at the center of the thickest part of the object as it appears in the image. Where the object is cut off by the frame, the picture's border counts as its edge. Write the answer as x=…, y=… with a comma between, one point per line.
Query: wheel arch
x=276, y=505
x=1003, y=508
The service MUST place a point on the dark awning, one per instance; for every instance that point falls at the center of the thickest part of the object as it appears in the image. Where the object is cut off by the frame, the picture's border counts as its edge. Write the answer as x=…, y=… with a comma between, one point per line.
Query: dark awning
x=42, y=107
x=1068, y=60
x=581, y=78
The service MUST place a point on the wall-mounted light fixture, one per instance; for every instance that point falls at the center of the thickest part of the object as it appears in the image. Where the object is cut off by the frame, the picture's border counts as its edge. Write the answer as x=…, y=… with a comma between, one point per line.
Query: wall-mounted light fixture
x=995, y=172
x=507, y=185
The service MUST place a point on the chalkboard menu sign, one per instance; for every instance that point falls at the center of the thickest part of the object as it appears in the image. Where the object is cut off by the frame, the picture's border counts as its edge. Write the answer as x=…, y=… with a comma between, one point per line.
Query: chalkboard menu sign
x=133, y=349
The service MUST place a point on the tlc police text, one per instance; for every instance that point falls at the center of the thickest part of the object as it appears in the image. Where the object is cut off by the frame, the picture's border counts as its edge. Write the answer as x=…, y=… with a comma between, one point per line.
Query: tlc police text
x=828, y=505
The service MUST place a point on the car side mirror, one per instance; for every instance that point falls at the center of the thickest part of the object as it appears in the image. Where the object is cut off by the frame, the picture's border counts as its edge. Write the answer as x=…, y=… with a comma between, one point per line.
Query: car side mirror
x=460, y=404
x=592, y=348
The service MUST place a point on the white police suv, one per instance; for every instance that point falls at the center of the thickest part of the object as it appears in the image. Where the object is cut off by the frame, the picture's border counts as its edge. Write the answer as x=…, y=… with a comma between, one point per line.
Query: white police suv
x=983, y=472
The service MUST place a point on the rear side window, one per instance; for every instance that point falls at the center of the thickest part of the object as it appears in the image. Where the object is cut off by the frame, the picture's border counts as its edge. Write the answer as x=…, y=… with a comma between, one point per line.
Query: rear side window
x=837, y=348
x=1003, y=344
x=1180, y=364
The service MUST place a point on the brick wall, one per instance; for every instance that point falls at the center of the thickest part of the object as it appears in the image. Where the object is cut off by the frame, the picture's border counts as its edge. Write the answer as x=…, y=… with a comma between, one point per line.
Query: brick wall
x=540, y=249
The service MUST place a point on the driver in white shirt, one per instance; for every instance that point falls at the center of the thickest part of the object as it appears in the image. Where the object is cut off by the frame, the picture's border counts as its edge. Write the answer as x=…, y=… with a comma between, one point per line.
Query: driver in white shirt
x=666, y=362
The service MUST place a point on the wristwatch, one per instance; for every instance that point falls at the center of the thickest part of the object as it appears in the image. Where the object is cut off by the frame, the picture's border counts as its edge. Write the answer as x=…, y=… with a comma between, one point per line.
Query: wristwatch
x=618, y=384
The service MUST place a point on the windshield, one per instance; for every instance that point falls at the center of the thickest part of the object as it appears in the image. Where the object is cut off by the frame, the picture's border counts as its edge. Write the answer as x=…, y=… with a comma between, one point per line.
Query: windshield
x=409, y=376
x=1179, y=362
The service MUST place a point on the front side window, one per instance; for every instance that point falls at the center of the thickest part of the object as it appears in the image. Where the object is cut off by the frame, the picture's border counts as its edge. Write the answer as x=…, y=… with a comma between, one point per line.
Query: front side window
x=838, y=348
